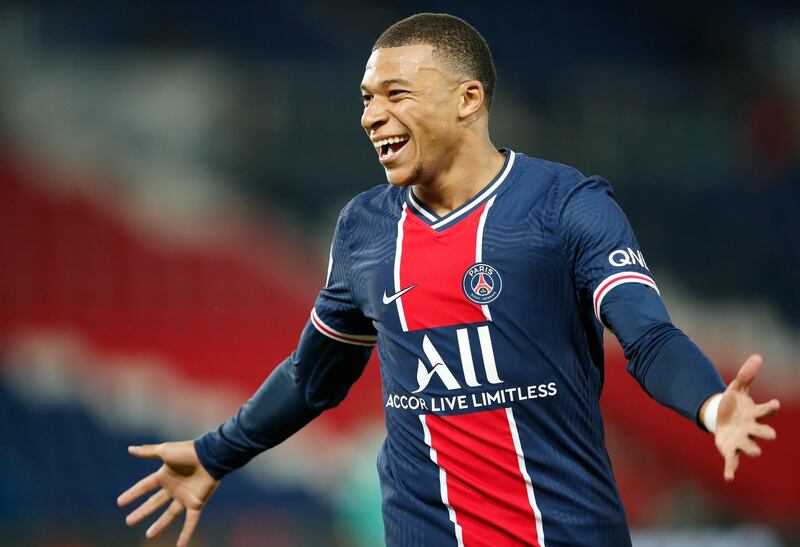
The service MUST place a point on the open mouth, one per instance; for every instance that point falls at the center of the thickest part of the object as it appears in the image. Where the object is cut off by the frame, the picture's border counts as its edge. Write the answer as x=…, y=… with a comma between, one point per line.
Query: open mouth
x=389, y=148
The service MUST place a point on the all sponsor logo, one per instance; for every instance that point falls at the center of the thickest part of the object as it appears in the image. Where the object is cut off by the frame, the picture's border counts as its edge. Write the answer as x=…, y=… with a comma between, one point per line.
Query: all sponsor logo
x=482, y=283
x=436, y=369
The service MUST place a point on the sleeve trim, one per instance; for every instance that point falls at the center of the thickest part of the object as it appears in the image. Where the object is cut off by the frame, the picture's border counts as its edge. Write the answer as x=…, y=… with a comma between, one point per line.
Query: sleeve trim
x=616, y=280
x=355, y=339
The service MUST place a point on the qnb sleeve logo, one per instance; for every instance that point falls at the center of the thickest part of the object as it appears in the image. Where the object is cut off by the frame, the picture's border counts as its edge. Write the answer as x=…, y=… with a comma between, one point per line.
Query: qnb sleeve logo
x=440, y=369
x=482, y=283
x=627, y=257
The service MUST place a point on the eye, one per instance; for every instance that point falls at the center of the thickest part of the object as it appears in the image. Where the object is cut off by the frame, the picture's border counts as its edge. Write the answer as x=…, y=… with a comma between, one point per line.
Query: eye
x=366, y=98
x=397, y=92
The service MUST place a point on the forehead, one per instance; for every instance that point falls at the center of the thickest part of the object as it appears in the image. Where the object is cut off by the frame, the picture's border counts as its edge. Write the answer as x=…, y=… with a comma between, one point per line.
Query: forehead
x=410, y=63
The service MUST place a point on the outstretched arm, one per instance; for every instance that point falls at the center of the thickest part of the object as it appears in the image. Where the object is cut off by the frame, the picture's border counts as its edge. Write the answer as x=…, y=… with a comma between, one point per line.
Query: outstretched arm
x=735, y=418
x=315, y=377
x=616, y=286
x=673, y=370
x=333, y=350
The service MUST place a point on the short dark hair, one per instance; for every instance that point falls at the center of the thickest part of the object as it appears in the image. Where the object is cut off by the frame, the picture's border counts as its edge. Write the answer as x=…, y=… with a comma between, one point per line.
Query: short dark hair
x=453, y=39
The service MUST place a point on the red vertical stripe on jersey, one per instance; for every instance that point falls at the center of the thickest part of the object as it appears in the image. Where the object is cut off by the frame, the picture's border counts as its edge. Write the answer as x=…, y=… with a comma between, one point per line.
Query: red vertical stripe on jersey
x=436, y=263
x=485, y=486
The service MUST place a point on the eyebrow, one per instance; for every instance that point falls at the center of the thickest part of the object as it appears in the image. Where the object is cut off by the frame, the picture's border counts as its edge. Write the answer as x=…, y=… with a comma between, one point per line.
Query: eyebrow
x=391, y=81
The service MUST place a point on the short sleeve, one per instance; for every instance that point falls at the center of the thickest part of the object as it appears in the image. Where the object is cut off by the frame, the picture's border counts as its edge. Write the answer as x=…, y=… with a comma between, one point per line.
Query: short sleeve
x=599, y=242
x=336, y=312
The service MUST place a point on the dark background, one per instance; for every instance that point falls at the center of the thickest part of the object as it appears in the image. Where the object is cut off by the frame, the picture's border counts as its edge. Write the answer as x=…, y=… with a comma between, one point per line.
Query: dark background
x=170, y=173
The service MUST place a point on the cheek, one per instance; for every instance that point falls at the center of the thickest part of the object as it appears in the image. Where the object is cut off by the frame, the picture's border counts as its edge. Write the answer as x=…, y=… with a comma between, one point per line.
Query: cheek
x=430, y=125
x=439, y=122
x=419, y=117
x=429, y=128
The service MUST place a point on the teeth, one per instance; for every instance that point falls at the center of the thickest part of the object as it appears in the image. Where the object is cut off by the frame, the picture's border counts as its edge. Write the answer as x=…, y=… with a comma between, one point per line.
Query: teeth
x=389, y=140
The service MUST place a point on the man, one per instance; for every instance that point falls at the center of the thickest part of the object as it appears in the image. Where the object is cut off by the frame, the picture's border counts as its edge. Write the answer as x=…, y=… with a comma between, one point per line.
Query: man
x=485, y=277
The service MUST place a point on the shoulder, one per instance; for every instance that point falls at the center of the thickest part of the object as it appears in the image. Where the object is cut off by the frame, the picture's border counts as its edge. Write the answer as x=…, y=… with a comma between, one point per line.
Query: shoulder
x=384, y=200
x=560, y=182
x=560, y=179
x=547, y=170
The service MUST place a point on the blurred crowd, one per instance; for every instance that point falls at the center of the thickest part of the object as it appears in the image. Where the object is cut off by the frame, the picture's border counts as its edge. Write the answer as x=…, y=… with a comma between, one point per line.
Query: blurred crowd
x=216, y=143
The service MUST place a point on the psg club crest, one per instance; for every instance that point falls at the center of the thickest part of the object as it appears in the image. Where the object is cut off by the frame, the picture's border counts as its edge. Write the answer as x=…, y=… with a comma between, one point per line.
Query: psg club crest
x=482, y=283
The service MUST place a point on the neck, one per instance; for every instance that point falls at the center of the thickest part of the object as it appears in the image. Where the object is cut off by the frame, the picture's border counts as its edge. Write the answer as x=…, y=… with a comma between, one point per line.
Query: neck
x=466, y=174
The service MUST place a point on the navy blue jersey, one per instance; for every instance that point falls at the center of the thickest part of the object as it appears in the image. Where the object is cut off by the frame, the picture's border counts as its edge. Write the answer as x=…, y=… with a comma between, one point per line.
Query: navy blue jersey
x=488, y=323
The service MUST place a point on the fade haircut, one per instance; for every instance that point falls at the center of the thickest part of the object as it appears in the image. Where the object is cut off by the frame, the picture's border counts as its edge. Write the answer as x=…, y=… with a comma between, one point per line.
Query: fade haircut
x=454, y=41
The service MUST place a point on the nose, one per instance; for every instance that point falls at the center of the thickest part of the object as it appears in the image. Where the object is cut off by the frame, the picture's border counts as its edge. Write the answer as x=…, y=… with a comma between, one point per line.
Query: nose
x=374, y=116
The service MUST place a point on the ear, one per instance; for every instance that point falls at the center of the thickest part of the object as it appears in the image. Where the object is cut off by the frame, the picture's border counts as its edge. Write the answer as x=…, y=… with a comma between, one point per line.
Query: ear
x=471, y=98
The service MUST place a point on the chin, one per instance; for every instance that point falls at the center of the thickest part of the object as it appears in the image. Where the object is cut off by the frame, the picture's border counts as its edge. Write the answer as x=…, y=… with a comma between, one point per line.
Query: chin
x=398, y=177
x=404, y=176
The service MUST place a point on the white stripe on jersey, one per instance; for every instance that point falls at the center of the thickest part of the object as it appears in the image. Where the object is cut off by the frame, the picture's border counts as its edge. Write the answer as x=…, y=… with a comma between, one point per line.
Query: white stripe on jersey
x=397, y=256
x=524, y=470
x=480, y=198
x=616, y=280
x=442, y=481
x=479, y=248
x=330, y=332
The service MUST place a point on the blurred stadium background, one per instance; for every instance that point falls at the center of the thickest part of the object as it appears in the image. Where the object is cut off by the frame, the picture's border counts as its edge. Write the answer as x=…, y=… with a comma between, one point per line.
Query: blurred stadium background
x=170, y=174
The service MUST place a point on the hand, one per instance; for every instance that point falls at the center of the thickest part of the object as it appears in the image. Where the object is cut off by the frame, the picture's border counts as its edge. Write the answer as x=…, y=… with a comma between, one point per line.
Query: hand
x=182, y=478
x=738, y=419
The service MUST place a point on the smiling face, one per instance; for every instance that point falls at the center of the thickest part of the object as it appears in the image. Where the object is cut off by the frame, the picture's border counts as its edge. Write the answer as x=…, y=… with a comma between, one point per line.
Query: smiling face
x=411, y=113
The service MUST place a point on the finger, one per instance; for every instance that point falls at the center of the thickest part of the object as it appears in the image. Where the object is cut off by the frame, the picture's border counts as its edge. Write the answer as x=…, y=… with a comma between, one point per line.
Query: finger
x=139, y=489
x=731, y=463
x=166, y=518
x=192, y=517
x=154, y=502
x=768, y=409
x=762, y=431
x=750, y=448
x=747, y=373
x=145, y=451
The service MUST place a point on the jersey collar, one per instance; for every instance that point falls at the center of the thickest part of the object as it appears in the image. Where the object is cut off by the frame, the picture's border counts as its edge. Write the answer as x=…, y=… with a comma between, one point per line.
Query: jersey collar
x=439, y=223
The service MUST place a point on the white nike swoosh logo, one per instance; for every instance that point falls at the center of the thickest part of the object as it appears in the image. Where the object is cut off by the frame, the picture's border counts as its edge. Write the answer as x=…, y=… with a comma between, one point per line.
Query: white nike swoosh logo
x=395, y=296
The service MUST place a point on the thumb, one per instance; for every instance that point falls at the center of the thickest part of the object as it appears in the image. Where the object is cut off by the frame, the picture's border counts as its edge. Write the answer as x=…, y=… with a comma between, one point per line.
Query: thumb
x=747, y=373
x=145, y=450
